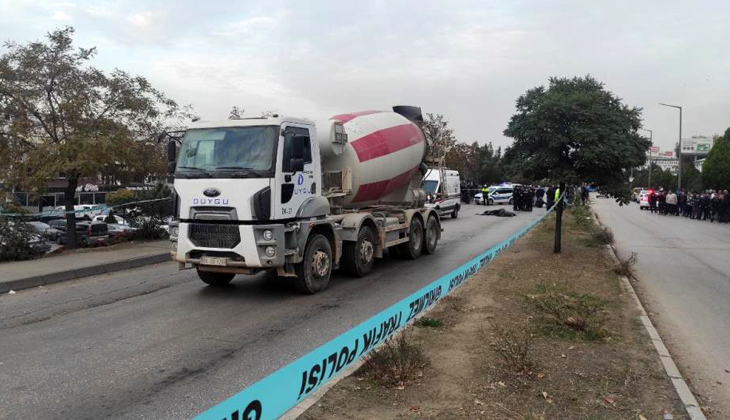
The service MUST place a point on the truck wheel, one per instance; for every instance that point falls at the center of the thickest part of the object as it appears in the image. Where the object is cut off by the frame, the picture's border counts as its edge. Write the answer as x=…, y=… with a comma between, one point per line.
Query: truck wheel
x=215, y=279
x=412, y=249
x=358, y=257
x=313, y=274
x=455, y=213
x=431, y=236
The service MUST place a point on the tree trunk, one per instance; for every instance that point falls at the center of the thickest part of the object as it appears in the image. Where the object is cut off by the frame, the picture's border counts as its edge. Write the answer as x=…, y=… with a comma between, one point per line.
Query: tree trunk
x=69, y=202
x=559, y=221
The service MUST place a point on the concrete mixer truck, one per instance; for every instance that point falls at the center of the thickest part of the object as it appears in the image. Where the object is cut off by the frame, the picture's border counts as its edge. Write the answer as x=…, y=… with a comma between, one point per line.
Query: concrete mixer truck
x=301, y=197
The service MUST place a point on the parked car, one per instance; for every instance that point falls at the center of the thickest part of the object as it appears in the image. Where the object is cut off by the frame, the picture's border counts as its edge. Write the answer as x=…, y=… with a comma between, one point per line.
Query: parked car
x=644, y=199
x=120, y=231
x=39, y=244
x=87, y=233
x=119, y=219
x=46, y=230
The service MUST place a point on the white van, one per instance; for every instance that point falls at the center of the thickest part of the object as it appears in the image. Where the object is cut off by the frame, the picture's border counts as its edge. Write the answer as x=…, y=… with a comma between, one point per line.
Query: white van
x=444, y=191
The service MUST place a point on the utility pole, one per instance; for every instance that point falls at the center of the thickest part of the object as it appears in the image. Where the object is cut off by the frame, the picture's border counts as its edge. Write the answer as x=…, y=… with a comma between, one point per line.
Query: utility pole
x=679, y=155
x=651, y=140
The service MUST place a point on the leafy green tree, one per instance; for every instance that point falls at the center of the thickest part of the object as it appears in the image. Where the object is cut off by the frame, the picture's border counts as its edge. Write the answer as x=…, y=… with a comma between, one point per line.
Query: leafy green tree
x=716, y=168
x=65, y=117
x=576, y=131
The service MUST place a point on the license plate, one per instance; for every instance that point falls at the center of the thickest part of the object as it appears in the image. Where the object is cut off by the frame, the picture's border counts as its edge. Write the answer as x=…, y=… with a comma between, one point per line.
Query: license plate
x=214, y=261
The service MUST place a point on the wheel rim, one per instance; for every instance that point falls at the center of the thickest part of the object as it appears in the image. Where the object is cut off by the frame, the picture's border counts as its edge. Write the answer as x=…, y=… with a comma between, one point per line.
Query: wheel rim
x=416, y=238
x=431, y=234
x=366, y=252
x=320, y=264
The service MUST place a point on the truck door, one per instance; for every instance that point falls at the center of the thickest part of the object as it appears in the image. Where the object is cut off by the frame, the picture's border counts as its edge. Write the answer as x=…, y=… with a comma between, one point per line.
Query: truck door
x=295, y=177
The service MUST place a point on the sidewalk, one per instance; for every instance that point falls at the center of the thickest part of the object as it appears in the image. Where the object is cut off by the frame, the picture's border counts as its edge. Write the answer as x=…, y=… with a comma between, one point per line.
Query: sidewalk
x=82, y=263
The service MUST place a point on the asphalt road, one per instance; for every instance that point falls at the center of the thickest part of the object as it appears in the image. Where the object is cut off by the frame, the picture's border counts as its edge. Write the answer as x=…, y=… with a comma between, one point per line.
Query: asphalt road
x=157, y=343
x=683, y=268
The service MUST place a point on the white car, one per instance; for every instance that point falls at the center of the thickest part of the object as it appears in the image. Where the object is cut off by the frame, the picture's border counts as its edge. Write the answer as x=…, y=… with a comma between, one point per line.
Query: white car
x=643, y=199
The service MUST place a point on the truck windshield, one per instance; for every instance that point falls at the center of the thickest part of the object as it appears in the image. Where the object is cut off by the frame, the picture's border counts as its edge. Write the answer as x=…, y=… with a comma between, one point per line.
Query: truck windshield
x=228, y=151
x=430, y=186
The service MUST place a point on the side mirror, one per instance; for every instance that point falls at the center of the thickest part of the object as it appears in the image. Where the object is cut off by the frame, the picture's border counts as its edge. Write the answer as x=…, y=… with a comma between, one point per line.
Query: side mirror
x=296, y=164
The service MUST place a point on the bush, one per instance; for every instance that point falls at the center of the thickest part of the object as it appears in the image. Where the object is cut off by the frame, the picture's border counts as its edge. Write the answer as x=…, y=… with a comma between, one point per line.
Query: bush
x=571, y=315
x=122, y=196
x=396, y=362
x=426, y=322
x=514, y=349
x=15, y=237
x=626, y=267
x=603, y=235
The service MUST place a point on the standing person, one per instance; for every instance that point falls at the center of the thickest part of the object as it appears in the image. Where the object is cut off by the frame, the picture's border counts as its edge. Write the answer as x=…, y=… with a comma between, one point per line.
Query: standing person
x=539, y=194
x=529, y=196
x=704, y=206
x=671, y=203
x=714, y=206
x=516, y=198
x=550, y=197
x=662, y=202
x=652, y=201
x=485, y=195
x=725, y=207
x=689, y=210
x=696, y=207
x=682, y=203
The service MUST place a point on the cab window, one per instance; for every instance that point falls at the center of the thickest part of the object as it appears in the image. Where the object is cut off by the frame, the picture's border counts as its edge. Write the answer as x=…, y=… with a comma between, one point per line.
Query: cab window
x=288, y=136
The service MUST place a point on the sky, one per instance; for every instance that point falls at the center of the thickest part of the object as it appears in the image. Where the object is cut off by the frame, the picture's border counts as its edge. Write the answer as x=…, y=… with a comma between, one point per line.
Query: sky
x=467, y=60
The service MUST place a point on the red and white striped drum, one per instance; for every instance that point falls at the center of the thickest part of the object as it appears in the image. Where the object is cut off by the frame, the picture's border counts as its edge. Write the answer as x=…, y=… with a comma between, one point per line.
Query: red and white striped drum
x=384, y=153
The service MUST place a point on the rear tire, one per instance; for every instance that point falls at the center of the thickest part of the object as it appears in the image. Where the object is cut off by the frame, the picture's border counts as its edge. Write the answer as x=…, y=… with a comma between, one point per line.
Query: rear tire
x=431, y=235
x=455, y=213
x=313, y=274
x=412, y=249
x=490, y=202
x=358, y=257
x=215, y=279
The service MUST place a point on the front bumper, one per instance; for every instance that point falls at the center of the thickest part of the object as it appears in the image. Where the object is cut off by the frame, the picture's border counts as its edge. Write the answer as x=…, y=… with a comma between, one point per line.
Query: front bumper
x=245, y=249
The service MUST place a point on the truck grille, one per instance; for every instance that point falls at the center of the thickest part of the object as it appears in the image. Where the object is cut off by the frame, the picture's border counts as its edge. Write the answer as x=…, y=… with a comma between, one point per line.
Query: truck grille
x=214, y=236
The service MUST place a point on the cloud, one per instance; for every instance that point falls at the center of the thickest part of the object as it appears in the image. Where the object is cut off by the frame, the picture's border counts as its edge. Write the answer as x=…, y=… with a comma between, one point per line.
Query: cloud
x=469, y=59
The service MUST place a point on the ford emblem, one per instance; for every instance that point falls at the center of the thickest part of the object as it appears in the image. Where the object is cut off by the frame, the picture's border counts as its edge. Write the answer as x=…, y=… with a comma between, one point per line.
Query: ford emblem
x=212, y=192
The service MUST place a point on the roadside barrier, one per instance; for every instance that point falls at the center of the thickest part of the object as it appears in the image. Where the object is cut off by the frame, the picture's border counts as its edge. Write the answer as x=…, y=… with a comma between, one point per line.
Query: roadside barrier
x=274, y=395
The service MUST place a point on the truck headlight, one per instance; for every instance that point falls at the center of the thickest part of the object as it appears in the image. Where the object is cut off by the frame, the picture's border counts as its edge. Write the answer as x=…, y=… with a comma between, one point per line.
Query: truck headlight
x=268, y=235
x=270, y=251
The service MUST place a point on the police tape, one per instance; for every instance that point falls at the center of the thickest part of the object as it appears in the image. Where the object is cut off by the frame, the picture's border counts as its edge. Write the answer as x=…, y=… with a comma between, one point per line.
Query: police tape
x=92, y=209
x=274, y=395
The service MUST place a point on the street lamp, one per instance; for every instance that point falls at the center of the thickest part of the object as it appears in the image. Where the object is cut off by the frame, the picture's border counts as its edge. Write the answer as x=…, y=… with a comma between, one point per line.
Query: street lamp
x=679, y=176
x=651, y=140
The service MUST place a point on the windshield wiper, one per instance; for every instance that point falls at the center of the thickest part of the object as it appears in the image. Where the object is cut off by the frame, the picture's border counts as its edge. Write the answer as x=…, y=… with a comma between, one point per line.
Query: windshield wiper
x=200, y=171
x=241, y=168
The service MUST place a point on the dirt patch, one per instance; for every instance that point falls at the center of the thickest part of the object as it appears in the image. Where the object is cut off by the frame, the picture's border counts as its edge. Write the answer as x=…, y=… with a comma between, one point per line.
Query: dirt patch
x=532, y=336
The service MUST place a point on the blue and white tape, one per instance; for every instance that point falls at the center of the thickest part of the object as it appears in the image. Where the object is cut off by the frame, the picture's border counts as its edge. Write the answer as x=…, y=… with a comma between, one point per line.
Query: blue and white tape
x=274, y=395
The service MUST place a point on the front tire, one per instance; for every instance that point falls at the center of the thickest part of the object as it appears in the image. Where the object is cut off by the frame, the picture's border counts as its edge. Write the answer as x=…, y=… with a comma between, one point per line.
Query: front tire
x=490, y=202
x=412, y=249
x=358, y=257
x=455, y=213
x=313, y=274
x=215, y=279
x=431, y=236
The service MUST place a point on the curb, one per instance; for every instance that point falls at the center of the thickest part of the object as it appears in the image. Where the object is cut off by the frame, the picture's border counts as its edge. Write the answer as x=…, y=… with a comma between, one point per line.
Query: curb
x=42, y=280
x=685, y=394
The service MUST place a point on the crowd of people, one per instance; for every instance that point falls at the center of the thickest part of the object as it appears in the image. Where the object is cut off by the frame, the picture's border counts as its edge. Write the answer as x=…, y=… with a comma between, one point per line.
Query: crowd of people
x=707, y=205
x=525, y=197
